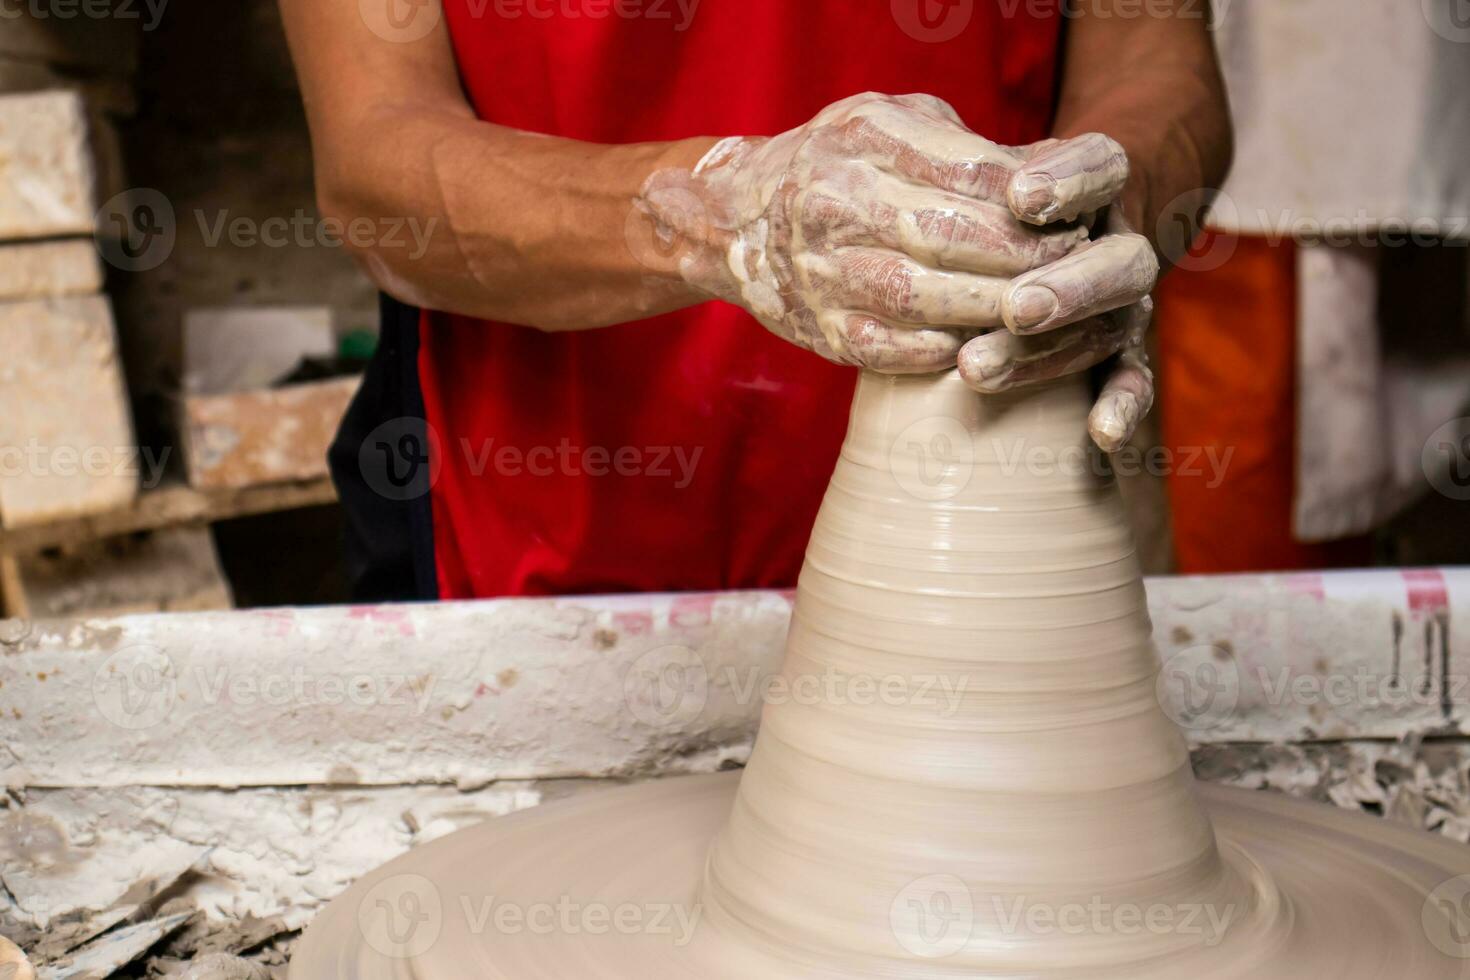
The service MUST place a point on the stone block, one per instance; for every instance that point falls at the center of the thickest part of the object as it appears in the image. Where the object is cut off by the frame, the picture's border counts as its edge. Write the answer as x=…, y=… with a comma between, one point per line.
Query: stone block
x=67, y=447
x=266, y=436
x=47, y=180
x=43, y=270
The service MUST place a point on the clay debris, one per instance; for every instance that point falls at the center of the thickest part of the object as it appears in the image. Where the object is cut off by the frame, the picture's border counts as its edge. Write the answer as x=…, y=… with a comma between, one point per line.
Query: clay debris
x=1424, y=785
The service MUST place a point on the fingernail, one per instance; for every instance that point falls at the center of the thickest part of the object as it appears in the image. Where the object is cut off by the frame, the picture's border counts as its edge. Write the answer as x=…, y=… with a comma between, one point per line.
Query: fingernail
x=1032, y=306
x=1114, y=425
x=984, y=367
x=1034, y=196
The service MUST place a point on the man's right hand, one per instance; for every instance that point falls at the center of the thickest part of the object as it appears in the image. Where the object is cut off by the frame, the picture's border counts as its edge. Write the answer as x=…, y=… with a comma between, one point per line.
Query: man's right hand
x=881, y=234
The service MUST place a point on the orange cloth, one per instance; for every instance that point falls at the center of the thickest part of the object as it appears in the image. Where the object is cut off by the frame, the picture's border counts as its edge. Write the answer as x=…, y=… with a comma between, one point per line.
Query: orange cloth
x=1227, y=384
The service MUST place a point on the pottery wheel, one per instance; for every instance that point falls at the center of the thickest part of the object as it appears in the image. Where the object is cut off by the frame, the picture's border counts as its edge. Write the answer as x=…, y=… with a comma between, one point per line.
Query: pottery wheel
x=1014, y=805
x=1351, y=900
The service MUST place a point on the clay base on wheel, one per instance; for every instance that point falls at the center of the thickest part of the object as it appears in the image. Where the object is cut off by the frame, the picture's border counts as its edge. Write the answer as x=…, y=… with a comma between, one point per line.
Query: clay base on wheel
x=609, y=886
x=1040, y=823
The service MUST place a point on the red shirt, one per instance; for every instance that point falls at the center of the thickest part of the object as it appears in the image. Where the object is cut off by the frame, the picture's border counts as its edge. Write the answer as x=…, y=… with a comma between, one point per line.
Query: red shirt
x=689, y=451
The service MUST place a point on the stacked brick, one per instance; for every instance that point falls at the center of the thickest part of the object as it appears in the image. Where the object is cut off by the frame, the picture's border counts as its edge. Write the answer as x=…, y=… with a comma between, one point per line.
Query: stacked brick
x=67, y=446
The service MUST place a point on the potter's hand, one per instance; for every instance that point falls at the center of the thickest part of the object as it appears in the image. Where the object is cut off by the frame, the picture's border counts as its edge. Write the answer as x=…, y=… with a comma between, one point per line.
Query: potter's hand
x=1085, y=307
x=878, y=234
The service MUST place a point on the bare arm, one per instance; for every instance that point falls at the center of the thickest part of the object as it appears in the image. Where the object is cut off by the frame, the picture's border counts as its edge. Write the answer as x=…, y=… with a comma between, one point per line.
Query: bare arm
x=525, y=228
x=1148, y=77
x=883, y=233
x=877, y=234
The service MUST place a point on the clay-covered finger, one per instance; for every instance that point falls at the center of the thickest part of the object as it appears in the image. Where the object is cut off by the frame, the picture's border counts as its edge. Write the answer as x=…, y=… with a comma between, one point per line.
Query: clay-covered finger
x=1113, y=272
x=1126, y=398
x=930, y=150
x=1000, y=360
x=1029, y=151
x=931, y=104
x=1128, y=394
x=1068, y=178
x=890, y=348
x=954, y=232
x=939, y=228
x=894, y=287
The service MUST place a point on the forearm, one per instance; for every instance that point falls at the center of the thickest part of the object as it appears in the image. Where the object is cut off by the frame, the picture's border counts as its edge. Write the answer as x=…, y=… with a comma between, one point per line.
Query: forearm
x=522, y=228
x=1152, y=83
x=506, y=225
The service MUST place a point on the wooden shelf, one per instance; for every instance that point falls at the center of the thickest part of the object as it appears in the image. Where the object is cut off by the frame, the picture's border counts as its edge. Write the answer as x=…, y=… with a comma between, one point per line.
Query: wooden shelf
x=170, y=505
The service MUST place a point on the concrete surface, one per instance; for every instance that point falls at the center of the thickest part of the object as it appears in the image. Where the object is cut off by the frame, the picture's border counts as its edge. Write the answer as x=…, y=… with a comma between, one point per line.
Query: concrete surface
x=470, y=693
